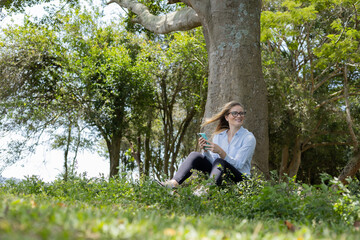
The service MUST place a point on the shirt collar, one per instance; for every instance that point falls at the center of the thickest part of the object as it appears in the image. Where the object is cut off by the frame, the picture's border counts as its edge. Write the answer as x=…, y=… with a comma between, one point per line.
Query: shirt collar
x=237, y=133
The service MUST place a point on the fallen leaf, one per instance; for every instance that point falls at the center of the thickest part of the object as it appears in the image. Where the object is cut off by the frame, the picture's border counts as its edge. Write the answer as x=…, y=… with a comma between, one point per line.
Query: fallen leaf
x=289, y=226
x=60, y=204
x=33, y=204
x=169, y=232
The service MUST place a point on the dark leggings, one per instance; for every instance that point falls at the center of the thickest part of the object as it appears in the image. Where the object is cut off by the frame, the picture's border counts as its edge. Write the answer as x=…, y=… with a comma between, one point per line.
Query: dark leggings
x=218, y=170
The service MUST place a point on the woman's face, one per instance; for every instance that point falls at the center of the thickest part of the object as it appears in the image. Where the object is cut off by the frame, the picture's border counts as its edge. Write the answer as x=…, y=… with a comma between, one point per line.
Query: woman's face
x=235, y=117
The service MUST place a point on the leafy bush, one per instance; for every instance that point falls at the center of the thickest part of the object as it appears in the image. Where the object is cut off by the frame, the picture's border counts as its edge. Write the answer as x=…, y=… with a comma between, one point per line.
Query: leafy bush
x=348, y=205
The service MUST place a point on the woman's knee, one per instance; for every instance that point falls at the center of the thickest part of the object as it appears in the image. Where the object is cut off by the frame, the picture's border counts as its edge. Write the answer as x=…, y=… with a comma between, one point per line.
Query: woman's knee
x=219, y=162
x=194, y=157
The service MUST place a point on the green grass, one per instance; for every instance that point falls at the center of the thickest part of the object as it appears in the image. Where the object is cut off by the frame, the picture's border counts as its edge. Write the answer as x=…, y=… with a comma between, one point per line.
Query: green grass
x=119, y=209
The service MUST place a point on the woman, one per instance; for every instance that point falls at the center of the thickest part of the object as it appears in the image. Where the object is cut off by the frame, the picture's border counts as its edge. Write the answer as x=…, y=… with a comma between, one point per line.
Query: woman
x=230, y=153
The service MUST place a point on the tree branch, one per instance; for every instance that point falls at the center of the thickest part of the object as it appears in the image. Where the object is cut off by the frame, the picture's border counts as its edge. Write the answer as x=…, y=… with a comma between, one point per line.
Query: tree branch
x=349, y=120
x=181, y=20
x=307, y=147
x=335, y=99
x=335, y=74
x=187, y=2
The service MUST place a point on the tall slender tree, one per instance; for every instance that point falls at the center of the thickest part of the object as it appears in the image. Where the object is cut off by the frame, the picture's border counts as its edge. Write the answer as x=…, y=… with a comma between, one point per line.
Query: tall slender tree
x=81, y=65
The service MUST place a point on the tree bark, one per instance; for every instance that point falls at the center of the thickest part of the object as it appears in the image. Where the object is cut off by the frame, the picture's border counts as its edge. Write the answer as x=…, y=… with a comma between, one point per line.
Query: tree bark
x=296, y=159
x=232, y=32
x=78, y=141
x=66, y=153
x=284, y=161
x=349, y=120
x=290, y=168
x=351, y=168
x=147, y=149
x=114, y=152
x=136, y=154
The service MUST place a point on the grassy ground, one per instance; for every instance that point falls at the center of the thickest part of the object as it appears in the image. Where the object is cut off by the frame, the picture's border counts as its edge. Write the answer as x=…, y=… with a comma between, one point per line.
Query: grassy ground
x=119, y=209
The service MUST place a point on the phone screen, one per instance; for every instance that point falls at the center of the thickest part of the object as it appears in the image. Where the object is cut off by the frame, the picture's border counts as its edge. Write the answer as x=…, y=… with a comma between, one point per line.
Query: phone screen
x=203, y=135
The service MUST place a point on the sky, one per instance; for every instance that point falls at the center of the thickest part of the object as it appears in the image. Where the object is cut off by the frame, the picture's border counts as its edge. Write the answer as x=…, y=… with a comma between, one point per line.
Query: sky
x=37, y=11
x=47, y=163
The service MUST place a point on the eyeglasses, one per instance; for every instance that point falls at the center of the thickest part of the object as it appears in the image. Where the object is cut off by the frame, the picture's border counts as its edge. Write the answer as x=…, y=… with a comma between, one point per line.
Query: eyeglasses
x=235, y=114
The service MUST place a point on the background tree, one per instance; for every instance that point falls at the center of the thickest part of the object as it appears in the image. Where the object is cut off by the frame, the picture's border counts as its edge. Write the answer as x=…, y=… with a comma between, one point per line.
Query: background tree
x=178, y=68
x=306, y=87
x=94, y=74
x=115, y=91
x=342, y=50
x=29, y=74
x=70, y=135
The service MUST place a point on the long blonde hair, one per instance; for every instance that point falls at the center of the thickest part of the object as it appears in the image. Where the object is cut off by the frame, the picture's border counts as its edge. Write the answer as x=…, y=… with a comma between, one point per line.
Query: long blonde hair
x=220, y=116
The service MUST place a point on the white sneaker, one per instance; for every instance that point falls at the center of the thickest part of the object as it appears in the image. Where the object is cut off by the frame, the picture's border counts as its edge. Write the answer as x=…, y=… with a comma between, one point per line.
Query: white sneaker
x=201, y=191
x=168, y=184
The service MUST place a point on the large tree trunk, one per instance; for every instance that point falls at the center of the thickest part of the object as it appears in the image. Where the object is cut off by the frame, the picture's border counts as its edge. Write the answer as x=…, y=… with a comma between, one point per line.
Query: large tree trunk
x=232, y=31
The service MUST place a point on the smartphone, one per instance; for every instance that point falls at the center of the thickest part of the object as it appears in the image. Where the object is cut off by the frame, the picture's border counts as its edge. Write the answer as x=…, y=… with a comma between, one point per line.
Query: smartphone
x=203, y=135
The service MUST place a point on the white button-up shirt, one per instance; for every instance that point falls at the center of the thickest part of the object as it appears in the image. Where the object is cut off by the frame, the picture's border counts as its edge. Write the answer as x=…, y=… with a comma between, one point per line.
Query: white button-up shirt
x=239, y=151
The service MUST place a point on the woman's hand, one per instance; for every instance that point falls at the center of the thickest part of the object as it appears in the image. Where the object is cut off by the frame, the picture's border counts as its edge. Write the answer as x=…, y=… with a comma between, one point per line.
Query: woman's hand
x=204, y=144
x=210, y=146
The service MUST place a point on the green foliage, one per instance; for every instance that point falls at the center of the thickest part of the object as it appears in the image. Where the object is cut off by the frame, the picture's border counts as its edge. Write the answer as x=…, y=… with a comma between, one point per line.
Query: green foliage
x=117, y=208
x=306, y=46
x=86, y=75
x=19, y=6
x=177, y=67
x=79, y=71
x=348, y=206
